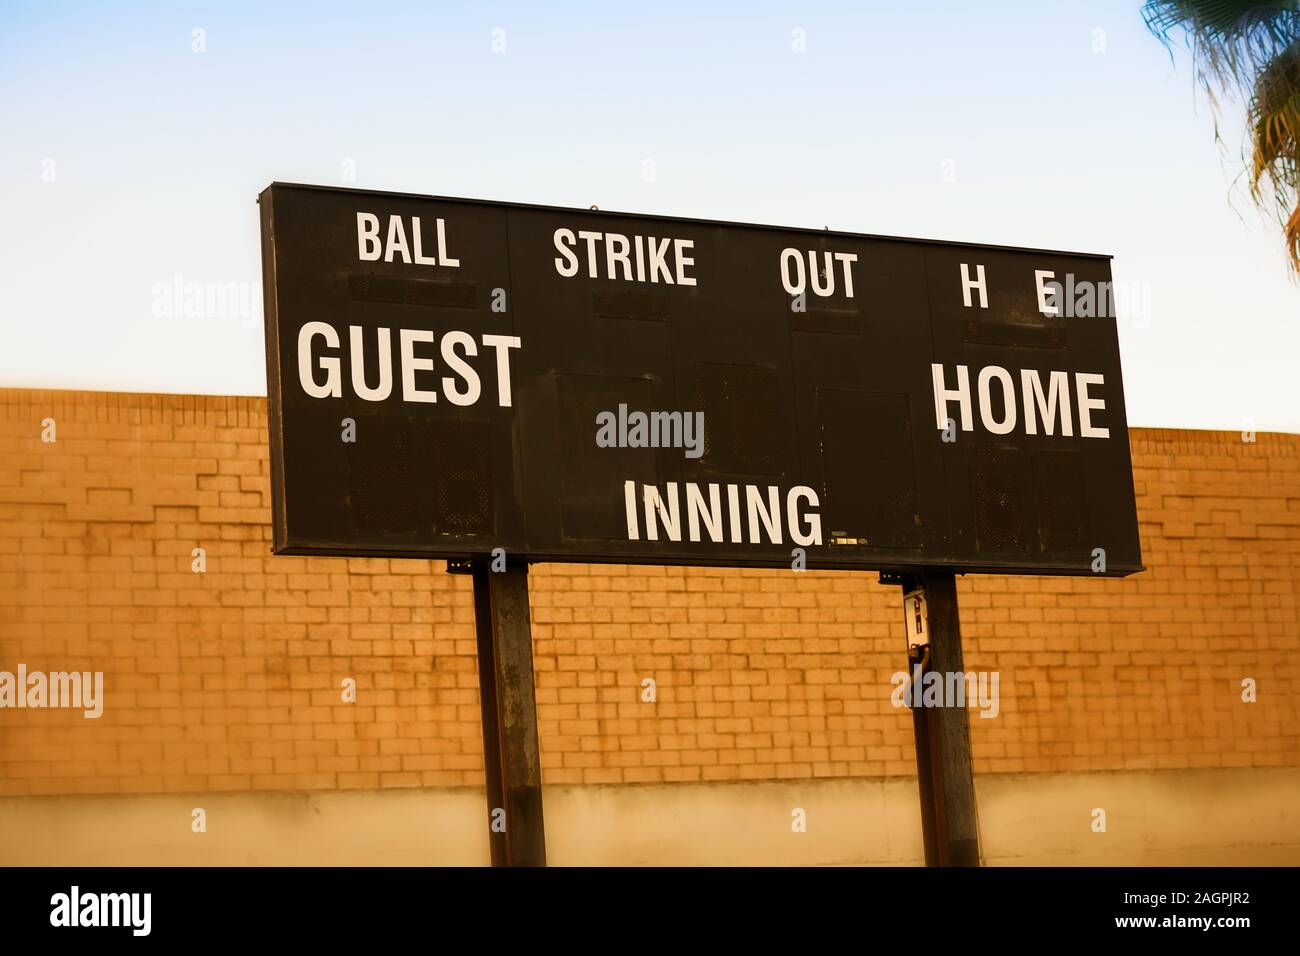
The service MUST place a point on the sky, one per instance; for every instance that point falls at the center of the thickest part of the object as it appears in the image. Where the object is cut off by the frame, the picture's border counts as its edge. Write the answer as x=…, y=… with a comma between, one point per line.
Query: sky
x=134, y=139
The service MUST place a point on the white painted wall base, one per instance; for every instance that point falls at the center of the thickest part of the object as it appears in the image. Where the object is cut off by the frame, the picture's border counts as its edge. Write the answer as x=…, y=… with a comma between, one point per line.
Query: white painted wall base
x=1192, y=817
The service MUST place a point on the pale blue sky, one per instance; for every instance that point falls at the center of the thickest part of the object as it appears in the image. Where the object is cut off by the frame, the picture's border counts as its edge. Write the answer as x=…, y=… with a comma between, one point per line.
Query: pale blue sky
x=158, y=153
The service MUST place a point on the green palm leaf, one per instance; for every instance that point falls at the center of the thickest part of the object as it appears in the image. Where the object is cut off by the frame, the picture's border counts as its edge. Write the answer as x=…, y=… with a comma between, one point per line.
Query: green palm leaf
x=1251, y=49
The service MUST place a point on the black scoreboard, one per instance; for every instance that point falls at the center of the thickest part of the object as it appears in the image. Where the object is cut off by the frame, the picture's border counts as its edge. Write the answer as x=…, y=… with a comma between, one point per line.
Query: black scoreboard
x=448, y=377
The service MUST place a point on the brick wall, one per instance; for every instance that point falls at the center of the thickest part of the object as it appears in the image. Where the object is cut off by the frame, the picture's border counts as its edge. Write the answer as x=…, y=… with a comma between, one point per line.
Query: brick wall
x=229, y=680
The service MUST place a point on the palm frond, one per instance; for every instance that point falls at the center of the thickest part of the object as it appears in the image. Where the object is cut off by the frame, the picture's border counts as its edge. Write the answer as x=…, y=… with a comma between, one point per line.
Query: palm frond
x=1274, y=116
x=1230, y=40
x=1251, y=49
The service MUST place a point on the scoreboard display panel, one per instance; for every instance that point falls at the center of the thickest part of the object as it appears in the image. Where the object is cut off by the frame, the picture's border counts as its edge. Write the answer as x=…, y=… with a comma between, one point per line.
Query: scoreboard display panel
x=448, y=377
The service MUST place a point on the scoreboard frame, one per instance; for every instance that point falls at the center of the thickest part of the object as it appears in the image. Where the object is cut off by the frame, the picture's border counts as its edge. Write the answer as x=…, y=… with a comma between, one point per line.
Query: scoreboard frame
x=878, y=397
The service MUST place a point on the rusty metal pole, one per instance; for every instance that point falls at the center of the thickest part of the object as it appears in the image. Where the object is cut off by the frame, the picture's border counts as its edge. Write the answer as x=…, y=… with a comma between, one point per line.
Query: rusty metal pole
x=949, y=823
x=511, y=757
x=918, y=660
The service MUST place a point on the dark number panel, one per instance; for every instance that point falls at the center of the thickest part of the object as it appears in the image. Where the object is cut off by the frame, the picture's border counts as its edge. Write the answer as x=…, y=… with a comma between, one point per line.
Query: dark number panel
x=448, y=377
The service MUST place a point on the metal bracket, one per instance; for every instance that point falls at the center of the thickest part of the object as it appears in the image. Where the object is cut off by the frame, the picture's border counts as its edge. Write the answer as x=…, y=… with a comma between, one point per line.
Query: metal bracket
x=460, y=566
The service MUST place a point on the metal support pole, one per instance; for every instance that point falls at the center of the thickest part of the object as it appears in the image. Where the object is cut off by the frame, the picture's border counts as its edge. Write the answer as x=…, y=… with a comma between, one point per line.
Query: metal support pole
x=511, y=758
x=949, y=823
x=918, y=660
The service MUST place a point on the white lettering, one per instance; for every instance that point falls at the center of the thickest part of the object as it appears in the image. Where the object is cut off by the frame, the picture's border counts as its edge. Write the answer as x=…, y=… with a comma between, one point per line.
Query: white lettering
x=943, y=395
x=1086, y=404
x=564, y=242
x=978, y=283
x=332, y=387
x=1008, y=400
x=411, y=365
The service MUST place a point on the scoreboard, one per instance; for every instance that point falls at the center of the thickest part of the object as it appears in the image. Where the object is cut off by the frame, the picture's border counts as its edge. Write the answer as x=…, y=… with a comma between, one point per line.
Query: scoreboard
x=448, y=377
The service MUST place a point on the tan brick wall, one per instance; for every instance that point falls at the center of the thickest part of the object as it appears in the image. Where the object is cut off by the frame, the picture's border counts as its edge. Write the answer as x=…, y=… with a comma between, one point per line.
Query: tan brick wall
x=229, y=680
